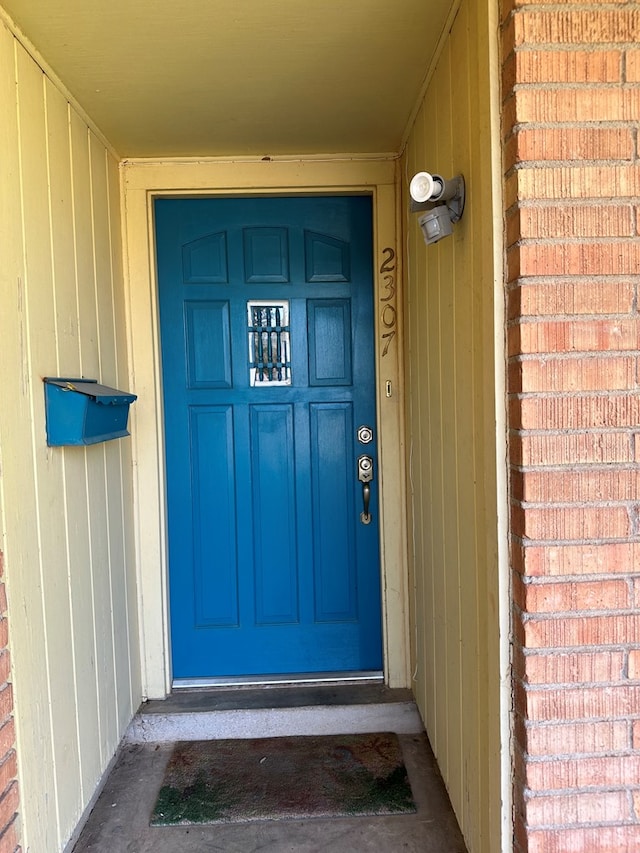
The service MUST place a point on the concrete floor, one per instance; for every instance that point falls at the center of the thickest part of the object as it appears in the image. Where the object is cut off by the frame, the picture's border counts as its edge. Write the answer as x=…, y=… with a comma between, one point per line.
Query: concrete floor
x=119, y=822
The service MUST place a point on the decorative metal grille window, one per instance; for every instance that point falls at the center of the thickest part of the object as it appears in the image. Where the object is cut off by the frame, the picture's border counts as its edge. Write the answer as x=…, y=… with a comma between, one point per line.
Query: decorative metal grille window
x=269, y=343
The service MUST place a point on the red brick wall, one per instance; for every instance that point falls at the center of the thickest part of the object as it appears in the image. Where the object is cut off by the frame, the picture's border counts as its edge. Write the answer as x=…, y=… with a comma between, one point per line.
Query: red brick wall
x=571, y=112
x=8, y=769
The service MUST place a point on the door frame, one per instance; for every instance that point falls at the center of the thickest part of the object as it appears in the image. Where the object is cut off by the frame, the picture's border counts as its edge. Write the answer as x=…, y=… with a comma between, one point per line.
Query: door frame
x=141, y=182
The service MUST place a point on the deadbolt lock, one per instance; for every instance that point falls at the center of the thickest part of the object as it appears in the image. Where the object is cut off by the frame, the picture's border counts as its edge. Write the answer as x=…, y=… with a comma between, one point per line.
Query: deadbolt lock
x=365, y=469
x=365, y=434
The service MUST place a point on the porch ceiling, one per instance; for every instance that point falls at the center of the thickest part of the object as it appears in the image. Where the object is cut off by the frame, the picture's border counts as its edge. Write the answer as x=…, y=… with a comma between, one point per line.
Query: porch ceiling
x=239, y=77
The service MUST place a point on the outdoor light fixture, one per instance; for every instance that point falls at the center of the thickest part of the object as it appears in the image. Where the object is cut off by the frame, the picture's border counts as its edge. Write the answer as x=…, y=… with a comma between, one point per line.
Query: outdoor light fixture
x=442, y=201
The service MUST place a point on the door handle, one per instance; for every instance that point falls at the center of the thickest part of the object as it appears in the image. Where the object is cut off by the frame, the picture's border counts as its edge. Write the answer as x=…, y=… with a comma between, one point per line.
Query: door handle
x=365, y=476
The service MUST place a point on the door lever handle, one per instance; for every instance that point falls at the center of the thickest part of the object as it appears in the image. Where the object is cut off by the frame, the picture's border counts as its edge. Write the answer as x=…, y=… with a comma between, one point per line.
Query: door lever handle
x=365, y=516
x=365, y=476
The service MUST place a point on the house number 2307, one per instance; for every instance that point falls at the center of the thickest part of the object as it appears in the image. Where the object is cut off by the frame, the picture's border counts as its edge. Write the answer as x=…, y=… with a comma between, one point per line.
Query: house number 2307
x=388, y=313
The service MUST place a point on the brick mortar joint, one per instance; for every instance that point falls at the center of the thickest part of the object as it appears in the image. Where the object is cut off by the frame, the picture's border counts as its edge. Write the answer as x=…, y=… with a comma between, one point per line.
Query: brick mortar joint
x=550, y=85
x=559, y=125
x=532, y=793
x=587, y=430
x=542, y=727
x=588, y=243
x=559, y=319
x=541, y=760
x=528, y=616
x=596, y=580
x=560, y=9
x=580, y=393
x=596, y=577
x=582, y=240
x=594, y=431
x=535, y=689
x=574, y=355
x=564, y=279
x=586, y=540
x=619, y=654
x=13, y=781
x=630, y=504
x=562, y=47
x=554, y=205
x=549, y=544
x=592, y=48
x=13, y=821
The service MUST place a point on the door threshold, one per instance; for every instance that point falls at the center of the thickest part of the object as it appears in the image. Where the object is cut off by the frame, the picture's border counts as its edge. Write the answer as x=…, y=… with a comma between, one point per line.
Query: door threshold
x=297, y=680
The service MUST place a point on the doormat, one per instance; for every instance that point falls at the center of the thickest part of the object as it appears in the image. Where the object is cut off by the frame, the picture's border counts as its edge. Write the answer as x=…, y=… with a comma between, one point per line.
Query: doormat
x=227, y=781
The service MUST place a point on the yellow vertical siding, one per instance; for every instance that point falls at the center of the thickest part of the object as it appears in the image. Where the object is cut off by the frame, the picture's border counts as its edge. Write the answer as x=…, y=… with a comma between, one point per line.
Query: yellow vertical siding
x=450, y=359
x=66, y=529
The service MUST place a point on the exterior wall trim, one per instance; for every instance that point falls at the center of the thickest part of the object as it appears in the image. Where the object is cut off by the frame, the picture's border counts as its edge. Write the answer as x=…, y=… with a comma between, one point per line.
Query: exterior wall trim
x=142, y=181
x=507, y=752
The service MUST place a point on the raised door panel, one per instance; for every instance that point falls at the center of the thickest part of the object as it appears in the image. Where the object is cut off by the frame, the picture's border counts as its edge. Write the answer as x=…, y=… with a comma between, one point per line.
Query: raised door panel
x=333, y=512
x=329, y=334
x=326, y=258
x=274, y=514
x=266, y=255
x=204, y=261
x=208, y=344
x=215, y=590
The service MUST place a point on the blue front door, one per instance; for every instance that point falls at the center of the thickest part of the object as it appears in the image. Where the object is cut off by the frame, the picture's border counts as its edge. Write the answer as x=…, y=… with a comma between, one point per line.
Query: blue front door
x=266, y=320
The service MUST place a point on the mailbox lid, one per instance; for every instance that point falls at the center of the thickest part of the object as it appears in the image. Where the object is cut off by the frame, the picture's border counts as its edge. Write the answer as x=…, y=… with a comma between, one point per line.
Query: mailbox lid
x=102, y=394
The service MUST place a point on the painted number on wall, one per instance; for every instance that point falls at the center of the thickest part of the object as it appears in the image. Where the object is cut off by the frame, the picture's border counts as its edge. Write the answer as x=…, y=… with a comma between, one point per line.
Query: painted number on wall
x=388, y=313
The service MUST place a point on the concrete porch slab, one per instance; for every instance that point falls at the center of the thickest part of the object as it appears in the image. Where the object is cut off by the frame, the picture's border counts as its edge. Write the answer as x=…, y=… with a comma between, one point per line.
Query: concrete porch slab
x=120, y=820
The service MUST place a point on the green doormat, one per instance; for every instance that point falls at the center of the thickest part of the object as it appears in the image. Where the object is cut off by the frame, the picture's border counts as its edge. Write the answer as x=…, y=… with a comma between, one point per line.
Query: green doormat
x=224, y=781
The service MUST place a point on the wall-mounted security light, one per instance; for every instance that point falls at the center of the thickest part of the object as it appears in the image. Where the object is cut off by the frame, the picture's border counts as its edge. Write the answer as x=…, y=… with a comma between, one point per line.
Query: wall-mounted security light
x=442, y=201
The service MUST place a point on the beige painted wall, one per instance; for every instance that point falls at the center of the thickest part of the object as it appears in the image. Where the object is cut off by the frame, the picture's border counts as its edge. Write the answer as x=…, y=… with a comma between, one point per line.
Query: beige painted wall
x=66, y=533
x=451, y=421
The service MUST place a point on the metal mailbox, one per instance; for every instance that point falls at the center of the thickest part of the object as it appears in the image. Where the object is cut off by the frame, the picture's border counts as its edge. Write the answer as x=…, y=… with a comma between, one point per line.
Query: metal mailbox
x=80, y=411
